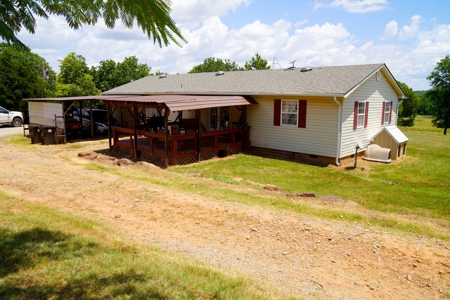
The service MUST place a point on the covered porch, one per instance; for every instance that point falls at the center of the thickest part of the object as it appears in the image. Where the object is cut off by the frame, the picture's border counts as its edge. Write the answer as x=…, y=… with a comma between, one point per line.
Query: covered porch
x=183, y=140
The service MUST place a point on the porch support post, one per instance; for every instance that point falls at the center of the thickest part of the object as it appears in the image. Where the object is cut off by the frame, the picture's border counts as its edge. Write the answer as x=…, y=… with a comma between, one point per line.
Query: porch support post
x=244, y=125
x=166, y=138
x=92, y=118
x=198, y=118
x=109, y=124
x=135, y=142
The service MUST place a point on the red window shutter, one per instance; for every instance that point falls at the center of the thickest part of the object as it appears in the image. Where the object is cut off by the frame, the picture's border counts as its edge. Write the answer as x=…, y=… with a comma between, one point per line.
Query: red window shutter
x=382, y=112
x=366, y=114
x=355, y=116
x=301, y=113
x=390, y=113
x=276, y=112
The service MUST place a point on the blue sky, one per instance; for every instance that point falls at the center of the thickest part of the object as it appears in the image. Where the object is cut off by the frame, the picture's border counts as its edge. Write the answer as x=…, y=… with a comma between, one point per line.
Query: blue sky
x=409, y=36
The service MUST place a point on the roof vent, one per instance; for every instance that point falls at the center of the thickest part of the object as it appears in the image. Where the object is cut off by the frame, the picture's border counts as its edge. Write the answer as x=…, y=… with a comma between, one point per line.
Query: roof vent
x=162, y=76
x=305, y=69
x=220, y=73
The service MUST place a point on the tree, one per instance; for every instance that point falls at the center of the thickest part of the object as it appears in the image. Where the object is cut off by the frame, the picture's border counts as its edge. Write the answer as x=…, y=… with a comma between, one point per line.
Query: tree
x=213, y=64
x=256, y=63
x=439, y=94
x=408, y=108
x=153, y=16
x=73, y=78
x=110, y=74
x=23, y=74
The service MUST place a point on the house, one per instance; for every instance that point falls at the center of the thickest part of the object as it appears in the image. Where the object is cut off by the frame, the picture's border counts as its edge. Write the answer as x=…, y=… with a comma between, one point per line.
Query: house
x=296, y=113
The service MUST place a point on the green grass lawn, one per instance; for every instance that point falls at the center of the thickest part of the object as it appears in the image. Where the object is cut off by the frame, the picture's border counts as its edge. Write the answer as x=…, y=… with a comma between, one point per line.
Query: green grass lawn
x=46, y=254
x=416, y=185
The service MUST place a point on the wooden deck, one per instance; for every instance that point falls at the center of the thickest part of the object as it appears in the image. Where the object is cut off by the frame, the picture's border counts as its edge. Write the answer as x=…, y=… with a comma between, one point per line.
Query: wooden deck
x=180, y=148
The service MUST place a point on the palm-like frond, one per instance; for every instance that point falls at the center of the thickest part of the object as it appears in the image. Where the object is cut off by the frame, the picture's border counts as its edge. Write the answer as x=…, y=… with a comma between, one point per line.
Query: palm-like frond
x=153, y=16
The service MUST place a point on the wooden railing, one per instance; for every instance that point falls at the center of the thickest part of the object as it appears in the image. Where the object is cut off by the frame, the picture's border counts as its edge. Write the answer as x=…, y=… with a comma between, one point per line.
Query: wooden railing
x=180, y=145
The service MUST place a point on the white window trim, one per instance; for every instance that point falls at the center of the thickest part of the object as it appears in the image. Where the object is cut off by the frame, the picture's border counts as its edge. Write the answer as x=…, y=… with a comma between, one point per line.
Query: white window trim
x=387, y=111
x=281, y=114
x=362, y=116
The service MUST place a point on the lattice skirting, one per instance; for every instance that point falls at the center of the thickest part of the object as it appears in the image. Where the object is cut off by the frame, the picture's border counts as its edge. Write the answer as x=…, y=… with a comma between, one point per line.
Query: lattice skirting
x=153, y=158
x=184, y=160
x=122, y=150
x=236, y=150
x=208, y=155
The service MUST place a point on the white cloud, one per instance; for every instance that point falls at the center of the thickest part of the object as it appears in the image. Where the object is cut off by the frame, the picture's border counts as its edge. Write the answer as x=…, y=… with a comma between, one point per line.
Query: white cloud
x=410, y=31
x=355, y=6
x=191, y=13
x=390, y=31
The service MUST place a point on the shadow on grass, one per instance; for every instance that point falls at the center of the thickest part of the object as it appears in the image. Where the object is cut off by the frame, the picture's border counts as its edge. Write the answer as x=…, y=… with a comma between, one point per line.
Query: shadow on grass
x=89, y=286
x=24, y=249
x=25, y=254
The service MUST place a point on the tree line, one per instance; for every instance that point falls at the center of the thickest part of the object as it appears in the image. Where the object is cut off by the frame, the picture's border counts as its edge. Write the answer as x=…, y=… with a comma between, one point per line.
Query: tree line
x=24, y=74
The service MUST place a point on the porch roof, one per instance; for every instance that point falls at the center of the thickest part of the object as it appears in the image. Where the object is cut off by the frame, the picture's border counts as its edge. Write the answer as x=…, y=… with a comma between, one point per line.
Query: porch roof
x=173, y=102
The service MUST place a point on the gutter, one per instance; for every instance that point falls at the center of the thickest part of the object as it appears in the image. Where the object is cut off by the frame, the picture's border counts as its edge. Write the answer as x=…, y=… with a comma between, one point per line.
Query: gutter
x=339, y=133
x=219, y=94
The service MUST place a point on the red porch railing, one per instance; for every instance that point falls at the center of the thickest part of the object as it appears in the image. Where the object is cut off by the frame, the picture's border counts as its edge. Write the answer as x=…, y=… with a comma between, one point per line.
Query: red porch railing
x=181, y=148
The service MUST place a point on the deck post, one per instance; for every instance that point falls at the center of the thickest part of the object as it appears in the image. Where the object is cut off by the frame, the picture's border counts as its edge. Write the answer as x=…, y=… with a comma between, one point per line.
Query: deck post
x=92, y=119
x=135, y=142
x=166, y=137
x=109, y=124
x=198, y=114
x=244, y=127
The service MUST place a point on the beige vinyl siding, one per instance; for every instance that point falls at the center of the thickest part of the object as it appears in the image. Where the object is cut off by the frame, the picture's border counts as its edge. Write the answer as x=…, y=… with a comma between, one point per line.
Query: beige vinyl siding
x=42, y=113
x=318, y=138
x=375, y=92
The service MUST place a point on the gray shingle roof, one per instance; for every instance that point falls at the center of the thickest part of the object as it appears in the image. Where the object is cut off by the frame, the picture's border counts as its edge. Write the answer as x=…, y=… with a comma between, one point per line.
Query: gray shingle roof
x=337, y=80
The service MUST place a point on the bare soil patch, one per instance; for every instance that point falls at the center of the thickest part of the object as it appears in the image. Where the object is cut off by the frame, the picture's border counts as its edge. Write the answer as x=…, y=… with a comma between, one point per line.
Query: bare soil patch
x=303, y=256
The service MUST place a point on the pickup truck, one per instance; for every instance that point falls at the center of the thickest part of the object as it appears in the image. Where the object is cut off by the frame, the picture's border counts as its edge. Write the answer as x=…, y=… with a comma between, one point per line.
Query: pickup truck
x=7, y=117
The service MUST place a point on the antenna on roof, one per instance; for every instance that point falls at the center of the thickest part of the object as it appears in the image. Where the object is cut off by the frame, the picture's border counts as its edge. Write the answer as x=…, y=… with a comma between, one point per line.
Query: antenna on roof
x=273, y=63
x=291, y=67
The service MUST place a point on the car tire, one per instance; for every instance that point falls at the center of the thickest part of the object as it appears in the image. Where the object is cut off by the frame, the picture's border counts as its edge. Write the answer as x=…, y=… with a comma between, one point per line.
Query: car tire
x=16, y=122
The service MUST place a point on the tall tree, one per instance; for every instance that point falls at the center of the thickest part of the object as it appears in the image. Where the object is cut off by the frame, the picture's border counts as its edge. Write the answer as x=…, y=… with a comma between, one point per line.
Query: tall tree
x=439, y=94
x=256, y=63
x=73, y=78
x=408, y=108
x=23, y=74
x=153, y=16
x=109, y=74
x=213, y=64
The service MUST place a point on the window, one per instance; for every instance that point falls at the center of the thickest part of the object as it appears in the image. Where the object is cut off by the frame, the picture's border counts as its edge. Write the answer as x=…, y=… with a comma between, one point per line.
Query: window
x=289, y=112
x=387, y=112
x=213, y=118
x=360, y=114
x=386, y=115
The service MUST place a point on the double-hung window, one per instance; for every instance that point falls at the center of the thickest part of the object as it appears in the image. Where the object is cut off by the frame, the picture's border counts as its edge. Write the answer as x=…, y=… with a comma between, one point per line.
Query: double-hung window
x=386, y=115
x=289, y=112
x=360, y=114
x=387, y=112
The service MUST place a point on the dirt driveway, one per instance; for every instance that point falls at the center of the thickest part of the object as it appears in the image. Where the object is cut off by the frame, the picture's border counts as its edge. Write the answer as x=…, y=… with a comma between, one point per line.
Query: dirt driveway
x=303, y=256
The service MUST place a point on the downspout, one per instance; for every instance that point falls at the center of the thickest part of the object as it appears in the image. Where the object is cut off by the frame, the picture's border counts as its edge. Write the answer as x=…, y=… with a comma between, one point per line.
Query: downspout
x=398, y=108
x=339, y=133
